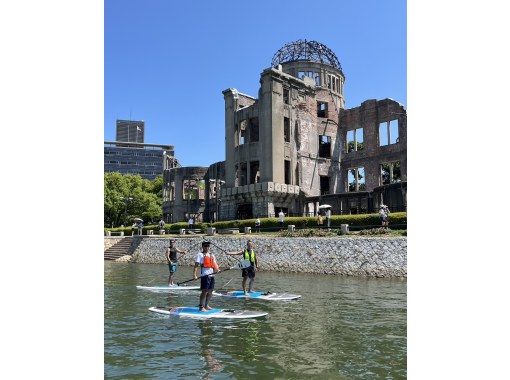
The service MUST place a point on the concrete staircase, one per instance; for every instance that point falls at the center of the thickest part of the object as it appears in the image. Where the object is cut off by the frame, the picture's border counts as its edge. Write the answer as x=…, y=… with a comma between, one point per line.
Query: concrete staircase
x=119, y=249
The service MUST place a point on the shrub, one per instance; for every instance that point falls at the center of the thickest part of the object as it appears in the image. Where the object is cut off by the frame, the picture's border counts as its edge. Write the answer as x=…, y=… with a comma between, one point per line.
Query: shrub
x=397, y=220
x=360, y=220
x=307, y=232
x=172, y=228
x=375, y=231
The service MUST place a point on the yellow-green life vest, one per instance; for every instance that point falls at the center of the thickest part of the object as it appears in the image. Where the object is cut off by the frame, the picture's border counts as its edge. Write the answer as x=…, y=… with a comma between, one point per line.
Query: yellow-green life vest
x=249, y=256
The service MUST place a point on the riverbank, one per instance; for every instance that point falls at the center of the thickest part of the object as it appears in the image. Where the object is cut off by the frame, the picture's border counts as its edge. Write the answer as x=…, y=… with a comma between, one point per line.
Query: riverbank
x=343, y=255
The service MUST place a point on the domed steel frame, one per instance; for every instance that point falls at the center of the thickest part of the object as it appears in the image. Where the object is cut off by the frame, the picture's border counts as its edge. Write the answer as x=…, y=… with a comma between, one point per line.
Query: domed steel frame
x=303, y=50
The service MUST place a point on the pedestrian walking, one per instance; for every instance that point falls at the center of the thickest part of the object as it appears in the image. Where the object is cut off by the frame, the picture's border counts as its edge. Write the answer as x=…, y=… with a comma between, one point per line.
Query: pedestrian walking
x=384, y=213
x=320, y=220
x=161, y=224
x=281, y=219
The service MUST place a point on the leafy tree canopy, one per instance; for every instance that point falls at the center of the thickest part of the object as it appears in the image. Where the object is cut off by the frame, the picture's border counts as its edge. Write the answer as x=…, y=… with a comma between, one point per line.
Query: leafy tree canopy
x=128, y=196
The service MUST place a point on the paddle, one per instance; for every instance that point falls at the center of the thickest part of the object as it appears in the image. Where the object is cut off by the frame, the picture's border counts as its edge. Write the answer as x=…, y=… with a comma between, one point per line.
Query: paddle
x=243, y=264
x=217, y=246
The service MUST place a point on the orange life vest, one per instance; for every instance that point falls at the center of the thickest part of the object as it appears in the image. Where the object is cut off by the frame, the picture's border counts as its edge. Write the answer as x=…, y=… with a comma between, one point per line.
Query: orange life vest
x=210, y=262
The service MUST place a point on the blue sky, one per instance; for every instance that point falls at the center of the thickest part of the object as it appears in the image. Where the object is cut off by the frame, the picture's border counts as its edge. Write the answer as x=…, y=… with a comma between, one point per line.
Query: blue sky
x=167, y=62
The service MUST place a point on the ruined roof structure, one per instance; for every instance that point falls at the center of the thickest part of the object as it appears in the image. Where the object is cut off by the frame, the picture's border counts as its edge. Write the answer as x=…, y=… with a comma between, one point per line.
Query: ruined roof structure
x=303, y=50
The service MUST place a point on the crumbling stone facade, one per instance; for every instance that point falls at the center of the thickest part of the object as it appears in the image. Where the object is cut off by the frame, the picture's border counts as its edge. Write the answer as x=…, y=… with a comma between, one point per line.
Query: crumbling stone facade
x=296, y=143
x=192, y=191
x=214, y=180
x=183, y=194
x=295, y=146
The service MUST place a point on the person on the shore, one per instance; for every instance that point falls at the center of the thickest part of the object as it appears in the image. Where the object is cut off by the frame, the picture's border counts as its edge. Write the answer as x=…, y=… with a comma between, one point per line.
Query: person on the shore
x=208, y=266
x=191, y=222
x=328, y=217
x=248, y=273
x=384, y=213
x=171, y=258
x=161, y=224
x=257, y=225
x=320, y=221
x=281, y=219
x=140, y=227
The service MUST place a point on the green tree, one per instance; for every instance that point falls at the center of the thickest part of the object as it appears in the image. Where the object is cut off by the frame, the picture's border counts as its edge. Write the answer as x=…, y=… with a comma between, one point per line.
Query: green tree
x=128, y=196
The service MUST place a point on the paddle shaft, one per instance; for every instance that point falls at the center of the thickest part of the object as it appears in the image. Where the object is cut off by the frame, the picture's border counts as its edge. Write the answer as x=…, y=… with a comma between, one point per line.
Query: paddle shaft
x=205, y=275
x=217, y=246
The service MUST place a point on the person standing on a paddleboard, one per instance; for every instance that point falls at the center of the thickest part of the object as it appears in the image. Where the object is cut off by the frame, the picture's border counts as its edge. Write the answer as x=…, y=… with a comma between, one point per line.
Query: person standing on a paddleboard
x=207, y=262
x=171, y=258
x=248, y=254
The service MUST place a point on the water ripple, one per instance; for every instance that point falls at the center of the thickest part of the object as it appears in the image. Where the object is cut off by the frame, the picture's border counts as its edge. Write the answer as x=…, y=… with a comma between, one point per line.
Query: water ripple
x=341, y=328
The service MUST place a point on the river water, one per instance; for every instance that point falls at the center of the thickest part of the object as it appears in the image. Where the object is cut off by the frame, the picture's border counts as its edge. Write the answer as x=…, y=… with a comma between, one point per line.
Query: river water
x=341, y=328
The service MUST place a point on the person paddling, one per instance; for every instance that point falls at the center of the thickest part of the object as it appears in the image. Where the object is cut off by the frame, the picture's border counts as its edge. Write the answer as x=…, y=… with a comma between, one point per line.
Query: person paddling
x=207, y=262
x=248, y=254
x=171, y=258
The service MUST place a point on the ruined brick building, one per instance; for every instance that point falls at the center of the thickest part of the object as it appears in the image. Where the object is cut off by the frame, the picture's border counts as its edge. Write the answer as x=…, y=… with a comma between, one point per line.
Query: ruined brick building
x=295, y=146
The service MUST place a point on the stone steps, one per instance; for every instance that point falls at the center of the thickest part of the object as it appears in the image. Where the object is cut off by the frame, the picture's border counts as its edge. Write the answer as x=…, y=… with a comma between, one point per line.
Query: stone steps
x=119, y=249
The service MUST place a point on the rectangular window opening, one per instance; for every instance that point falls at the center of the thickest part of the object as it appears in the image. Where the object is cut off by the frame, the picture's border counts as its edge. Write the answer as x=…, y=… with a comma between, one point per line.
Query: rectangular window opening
x=359, y=145
x=356, y=179
x=351, y=143
x=242, y=136
x=390, y=173
x=322, y=109
x=286, y=129
x=254, y=172
x=286, y=95
x=324, y=146
x=243, y=174
x=388, y=132
x=287, y=172
x=189, y=189
x=324, y=183
x=394, y=131
x=361, y=179
x=317, y=78
x=254, y=129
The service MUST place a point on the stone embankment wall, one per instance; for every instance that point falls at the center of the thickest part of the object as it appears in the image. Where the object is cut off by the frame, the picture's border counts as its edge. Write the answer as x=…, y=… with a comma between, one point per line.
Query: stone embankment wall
x=355, y=256
x=111, y=241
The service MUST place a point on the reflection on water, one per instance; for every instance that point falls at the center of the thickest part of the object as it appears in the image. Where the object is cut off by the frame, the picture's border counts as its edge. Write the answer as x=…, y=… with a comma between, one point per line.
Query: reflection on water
x=342, y=327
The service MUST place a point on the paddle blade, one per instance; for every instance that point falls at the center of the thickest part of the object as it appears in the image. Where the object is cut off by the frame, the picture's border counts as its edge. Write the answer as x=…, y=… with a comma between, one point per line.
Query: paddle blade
x=243, y=264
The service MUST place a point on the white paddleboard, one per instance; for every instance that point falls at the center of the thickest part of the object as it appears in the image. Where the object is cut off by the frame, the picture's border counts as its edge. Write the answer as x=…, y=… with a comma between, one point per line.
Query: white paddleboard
x=259, y=295
x=166, y=288
x=193, y=312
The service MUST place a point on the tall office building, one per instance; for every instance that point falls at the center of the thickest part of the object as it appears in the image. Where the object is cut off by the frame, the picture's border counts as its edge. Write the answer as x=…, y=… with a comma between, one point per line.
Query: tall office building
x=130, y=131
x=147, y=160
